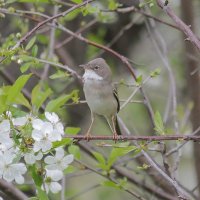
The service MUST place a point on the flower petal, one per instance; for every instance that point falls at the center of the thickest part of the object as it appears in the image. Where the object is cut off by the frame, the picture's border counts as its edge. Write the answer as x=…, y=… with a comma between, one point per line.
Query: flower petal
x=67, y=160
x=49, y=160
x=20, y=121
x=55, y=187
x=55, y=175
x=37, y=135
x=59, y=153
x=5, y=126
x=52, y=117
x=37, y=124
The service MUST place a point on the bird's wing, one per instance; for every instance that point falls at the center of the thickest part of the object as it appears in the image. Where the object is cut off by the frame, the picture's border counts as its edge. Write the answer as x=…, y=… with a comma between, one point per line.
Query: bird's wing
x=117, y=99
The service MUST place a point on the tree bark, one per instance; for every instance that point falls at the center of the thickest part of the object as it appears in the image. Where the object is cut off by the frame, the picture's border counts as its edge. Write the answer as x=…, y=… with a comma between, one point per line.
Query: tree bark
x=193, y=80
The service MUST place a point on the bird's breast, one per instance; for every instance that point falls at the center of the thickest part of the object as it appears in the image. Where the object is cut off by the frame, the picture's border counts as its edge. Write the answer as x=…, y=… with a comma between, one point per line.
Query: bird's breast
x=100, y=98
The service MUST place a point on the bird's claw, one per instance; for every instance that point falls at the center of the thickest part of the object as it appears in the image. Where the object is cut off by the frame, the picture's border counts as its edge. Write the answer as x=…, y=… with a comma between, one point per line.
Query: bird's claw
x=115, y=137
x=87, y=136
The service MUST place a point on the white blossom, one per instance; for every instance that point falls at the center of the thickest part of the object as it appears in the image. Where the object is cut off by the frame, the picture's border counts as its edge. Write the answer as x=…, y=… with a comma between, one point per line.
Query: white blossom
x=5, y=139
x=59, y=161
x=11, y=171
x=20, y=121
x=51, y=184
x=52, y=117
x=44, y=134
x=32, y=157
x=57, y=125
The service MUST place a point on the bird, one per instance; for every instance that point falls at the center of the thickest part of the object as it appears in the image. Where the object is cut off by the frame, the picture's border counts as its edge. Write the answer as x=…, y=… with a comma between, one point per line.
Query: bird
x=100, y=94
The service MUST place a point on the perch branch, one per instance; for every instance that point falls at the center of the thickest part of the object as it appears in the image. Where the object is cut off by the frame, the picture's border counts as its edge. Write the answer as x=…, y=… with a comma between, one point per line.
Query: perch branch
x=194, y=138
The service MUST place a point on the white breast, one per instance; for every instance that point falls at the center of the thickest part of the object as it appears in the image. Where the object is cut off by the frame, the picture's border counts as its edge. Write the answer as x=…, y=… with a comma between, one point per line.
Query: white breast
x=91, y=75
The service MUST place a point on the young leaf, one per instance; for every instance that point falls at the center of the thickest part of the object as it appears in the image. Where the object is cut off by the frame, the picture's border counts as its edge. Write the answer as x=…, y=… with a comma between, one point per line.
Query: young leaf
x=75, y=150
x=117, y=152
x=55, y=104
x=159, y=126
x=72, y=130
x=59, y=74
x=41, y=194
x=34, y=50
x=77, y=1
x=35, y=175
x=62, y=143
x=21, y=100
x=38, y=96
x=16, y=87
x=139, y=80
x=30, y=43
x=26, y=66
x=99, y=157
x=110, y=184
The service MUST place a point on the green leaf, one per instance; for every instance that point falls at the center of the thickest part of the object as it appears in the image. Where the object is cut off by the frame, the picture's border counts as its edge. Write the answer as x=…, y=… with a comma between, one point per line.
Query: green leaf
x=155, y=73
x=77, y=1
x=38, y=96
x=43, y=39
x=35, y=175
x=21, y=100
x=110, y=184
x=117, y=152
x=113, y=5
x=15, y=89
x=30, y=43
x=41, y=194
x=139, y=80
x=55, y=104
x=72, y=130
x=63, y=142
x=72, y=15
x=99, y=157
x=159, y=126
x=26, y=66
x=34, y=50
x=59, y=74
x=75, y=150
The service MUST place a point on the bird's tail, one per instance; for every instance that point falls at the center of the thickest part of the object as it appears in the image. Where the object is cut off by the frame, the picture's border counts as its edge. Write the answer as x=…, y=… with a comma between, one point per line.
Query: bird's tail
x=117, y=127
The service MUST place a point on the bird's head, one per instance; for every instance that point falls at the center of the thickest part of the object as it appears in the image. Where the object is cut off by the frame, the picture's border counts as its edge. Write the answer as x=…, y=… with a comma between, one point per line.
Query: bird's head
x=97, y=69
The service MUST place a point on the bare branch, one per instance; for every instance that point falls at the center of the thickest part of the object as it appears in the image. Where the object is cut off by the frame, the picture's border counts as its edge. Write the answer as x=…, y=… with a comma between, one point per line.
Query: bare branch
x=194, y=138
x=180, y=24
x=12, y=191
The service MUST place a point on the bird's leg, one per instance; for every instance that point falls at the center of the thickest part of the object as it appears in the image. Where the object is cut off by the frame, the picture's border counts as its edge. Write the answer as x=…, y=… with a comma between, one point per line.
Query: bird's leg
x=115, y=135
x=88, y=134
x=112, y=127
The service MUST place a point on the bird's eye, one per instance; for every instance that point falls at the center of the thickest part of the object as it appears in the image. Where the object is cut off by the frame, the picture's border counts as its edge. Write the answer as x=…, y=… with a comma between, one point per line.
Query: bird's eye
x=96, y=67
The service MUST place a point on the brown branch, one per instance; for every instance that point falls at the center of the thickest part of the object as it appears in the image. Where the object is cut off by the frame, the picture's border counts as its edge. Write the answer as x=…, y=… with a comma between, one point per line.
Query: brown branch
x=134, y=9
x=10, y=190
x=39, y=25
x=193, y=138
x=180, y=24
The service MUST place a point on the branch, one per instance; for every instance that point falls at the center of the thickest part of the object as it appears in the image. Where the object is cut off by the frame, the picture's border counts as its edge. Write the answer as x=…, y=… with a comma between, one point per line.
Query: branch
x=39, y=25
x=180, y=24
x=194, y=138
x=12, y=191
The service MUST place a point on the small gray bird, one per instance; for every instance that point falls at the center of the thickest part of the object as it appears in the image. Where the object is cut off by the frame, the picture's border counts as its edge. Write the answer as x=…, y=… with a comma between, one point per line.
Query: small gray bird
x=99, y=93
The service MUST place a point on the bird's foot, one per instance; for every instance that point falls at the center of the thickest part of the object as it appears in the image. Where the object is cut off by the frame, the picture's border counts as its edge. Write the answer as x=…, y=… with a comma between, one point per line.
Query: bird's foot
x=87, y=136
x=115, y=137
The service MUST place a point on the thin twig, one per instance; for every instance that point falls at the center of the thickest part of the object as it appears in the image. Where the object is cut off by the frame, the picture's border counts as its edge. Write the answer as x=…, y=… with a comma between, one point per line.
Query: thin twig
x=39, y=25
x=51, y=46
x=80, y=30
x=180, y=24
